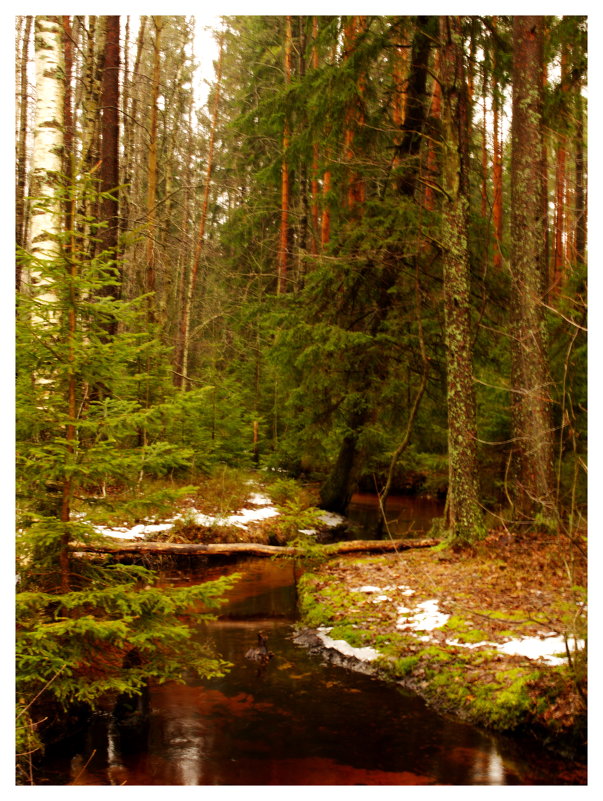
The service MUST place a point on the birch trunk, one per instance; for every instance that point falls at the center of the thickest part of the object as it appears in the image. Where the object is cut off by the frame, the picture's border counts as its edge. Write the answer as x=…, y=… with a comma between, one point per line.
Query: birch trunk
x=47, y=157
x=20, y=209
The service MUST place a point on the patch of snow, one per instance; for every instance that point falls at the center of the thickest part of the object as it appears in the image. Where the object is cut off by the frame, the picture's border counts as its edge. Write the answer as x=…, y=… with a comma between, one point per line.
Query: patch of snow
x=331, y=519
x=362, y=654
x=257, y=499
x=367, y=588
x=459, y=644
x=244, y=516
x=545, y=648
x=538, y=648
x=406, y=590
x=428, y=618
x=154, y=528
x=121, y=532
x=310, y=532
x=380, y=598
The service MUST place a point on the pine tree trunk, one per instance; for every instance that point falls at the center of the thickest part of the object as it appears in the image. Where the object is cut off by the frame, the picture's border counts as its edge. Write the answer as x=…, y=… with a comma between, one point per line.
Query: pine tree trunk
x=497, y=205
x=109, y=169
x=314, y=188
x=580, y=184
x=530, y=373
x=282, y=259
x=464, y=521
x=151, y=250
x=182, y=364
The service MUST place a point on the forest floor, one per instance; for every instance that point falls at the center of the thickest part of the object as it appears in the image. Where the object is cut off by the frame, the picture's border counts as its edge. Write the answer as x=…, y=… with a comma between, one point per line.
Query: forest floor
x=481, y=634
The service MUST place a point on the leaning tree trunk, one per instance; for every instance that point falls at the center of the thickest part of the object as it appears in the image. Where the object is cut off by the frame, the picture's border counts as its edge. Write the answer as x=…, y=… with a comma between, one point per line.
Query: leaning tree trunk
x=531, y=391
x=465, y=519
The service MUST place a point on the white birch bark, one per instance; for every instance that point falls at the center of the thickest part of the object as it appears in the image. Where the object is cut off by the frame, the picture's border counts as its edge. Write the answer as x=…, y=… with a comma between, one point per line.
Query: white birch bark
x=47, y=151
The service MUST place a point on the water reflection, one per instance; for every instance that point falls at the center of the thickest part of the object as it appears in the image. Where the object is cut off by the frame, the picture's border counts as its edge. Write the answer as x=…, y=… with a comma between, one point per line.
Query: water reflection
x=406, y=516
x=301, y=721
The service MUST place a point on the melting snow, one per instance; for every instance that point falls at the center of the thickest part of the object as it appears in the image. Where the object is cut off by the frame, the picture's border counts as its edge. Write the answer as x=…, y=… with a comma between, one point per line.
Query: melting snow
x=258, y=499
x=344, y=647
x=537, y=648
x=428, y=618
x=545, y=648
x=239, y=519
x=331, y=519
x=367, y=588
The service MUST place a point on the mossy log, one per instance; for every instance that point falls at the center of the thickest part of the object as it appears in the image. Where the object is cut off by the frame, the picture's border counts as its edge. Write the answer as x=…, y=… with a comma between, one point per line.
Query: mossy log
x=250, y=548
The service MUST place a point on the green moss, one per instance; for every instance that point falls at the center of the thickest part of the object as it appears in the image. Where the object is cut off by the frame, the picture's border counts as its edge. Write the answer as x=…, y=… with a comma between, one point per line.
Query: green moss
x=435, y=653
x=326, y=602
x=351, y=635
x=393, y=644
x=506, y=703
x=463, y=630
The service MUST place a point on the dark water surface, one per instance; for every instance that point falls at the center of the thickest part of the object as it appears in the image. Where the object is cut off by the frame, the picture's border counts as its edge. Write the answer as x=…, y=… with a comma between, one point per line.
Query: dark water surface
x=407, y=516
x=298, y=721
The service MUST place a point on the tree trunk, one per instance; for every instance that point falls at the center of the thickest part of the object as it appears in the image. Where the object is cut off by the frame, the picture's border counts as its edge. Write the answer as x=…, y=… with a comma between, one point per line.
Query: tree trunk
x=109, y=169
x=532, y=415
x=580, y=184
x=497, y=201
x=464, y=512
x=21, y=155
x=337, y=490
x=282, y=259
x=47, y=156
x=151, y=250
x=182, y=364
x=252, y=548
x=314, y=189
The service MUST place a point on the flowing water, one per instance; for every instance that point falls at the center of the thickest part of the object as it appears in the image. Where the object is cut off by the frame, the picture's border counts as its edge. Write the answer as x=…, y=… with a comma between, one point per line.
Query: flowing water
x=299, y=720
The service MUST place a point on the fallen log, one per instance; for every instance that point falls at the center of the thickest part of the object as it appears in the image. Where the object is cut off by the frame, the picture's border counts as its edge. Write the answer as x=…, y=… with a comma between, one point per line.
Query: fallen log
x=249, y=548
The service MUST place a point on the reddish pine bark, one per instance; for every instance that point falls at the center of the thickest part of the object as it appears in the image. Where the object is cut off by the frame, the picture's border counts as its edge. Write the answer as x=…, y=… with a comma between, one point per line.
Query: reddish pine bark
x=314, y=188
x=432, y=156
x=152, y=171
x=282, y=260
x=354, y=118
x=109, y=170
x=497, y=208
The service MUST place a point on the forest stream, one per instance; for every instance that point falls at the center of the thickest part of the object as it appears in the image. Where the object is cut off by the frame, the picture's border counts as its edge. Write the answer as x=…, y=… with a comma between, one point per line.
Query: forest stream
x=298, y=720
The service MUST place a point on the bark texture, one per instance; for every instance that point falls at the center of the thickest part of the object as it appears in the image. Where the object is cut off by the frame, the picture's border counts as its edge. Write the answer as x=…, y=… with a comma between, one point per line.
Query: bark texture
x=465, y=519
x=47, y=157
x=532, y=383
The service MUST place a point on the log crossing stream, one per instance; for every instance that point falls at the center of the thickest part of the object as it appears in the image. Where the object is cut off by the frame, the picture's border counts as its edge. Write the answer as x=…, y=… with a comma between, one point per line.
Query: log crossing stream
x=300, y=719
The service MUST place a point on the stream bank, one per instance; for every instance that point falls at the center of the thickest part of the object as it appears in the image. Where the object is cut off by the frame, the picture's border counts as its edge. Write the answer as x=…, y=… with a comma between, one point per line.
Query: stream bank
x=484, y=636
x=480, y=635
